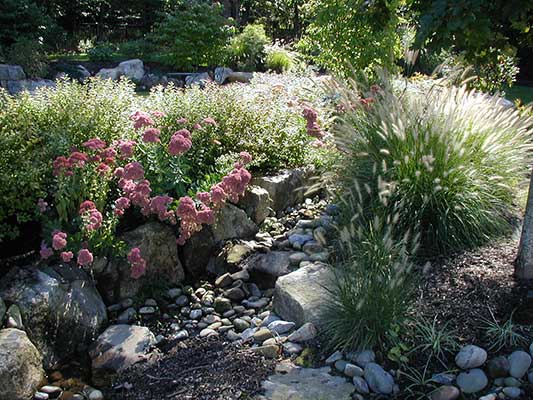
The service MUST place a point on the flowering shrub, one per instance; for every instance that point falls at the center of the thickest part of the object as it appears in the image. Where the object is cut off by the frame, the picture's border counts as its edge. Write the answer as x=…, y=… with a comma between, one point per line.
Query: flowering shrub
x=116, y=170
x=48, y=138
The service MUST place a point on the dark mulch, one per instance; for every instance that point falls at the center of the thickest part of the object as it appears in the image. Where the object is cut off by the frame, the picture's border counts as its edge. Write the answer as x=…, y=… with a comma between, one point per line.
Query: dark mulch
x=463, y=290
x=199, y=369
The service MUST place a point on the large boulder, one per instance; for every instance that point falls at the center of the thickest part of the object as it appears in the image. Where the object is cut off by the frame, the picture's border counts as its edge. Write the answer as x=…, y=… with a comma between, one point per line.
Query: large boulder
x=200, y=79
x=266, y=268
x=11, y=72
x=28, y=85
x=197, y=252
x=157, y=243
x=256, y=203
x=21, y=369
x=61, y=310
x=117, y=348
x=233, y=223
x=221, y=74
x=109, y=73
x=301, y=295
x=132, y=69
x=287, y=188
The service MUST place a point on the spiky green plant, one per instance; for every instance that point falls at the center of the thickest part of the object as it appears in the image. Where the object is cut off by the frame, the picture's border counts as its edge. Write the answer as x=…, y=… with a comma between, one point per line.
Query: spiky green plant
x=373, y=282
x=506, y=334
x=453, y=158
x=434, y=340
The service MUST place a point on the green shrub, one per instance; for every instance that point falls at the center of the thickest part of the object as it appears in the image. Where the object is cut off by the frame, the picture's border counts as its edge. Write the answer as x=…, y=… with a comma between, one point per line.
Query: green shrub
x=140, y=48
x=452, y=159
x=30, y=55
x=193, y=34
x=346, y=34
x=278, y=60
x=246, y=51
x=102, y=52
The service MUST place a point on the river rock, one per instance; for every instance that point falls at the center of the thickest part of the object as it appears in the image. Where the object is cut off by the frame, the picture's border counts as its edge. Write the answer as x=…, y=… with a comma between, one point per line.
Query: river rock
x=299, y=296
x=470, y=356
x=117, y=348
x=498, y=367
x=304, y=333
x=519, y=363
x=157, y=243
x=21, y=370
x=61, y=310
x=447, y=392
x=379, y=380
x=472, y=381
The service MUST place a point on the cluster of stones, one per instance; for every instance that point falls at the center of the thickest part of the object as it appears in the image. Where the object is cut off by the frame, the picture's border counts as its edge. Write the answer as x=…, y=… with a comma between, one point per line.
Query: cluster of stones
x=507, y=372
x=365, y=374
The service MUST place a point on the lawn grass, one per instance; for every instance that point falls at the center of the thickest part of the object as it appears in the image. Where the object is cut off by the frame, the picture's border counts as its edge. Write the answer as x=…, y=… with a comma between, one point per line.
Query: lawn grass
x=524, y=93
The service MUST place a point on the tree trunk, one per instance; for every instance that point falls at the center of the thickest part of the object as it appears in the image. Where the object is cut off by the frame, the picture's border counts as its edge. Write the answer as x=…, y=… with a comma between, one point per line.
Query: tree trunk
x=524, y=260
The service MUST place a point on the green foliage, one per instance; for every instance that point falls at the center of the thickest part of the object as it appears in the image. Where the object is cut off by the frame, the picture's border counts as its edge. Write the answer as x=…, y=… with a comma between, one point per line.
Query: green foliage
x=102, y=52
x=358, y=34
x=278, y=60
x=35, y=129
x=140, y=48
x=30, y=55
x=246, y=50
x=451, y=160
x=192, y=34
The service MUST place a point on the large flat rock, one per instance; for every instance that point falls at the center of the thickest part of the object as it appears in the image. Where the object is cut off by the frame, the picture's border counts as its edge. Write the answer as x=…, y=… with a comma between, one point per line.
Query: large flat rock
x=301, y=296
x=297, y=383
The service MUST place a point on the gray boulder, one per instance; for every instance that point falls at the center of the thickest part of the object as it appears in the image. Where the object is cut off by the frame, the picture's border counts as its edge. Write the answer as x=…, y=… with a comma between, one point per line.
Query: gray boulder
x=83, y=72
x=519, y=363
x=28, y=85
x=109, y=73
x=117, y=348
x=11, y=72
x=472, y=381
x=201, y=80
x=157, y=243
x=132, y=69
x=242, y=77
x=197, y=251
x=287, y=188
x=21, y=370
x=299, y=296
x=221, y=74
x=379, y=380
x=256, y=202
x=233, y=223
x=266, y=268
x=61, y=310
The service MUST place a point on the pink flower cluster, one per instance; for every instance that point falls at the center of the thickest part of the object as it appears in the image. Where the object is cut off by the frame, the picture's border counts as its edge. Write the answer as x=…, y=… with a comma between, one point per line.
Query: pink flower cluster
x=125, y=148
x=180, y=142
x=231, y=188
x=141, y=119
x=59, y=240
x=85, y=257
x=91, y=216
x=151, y=135
x=42, y=205
x=137, y=263
x=313, y=129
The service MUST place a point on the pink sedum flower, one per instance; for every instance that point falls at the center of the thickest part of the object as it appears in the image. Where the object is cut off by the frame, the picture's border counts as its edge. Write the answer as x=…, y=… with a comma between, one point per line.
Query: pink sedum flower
x=180, y=142
x=42, y=205
x=95, y=144
x=210, y=121
x=134, y=171
x=87, y=205
x=85, y=257
x=197, y=127
x=45, y=252
x=182, y=121
x=66, y=256
x=245, y=157
x=138, y=264
x=59, y=240
x=204, y=197
x=126, y=148
x=158, y=114
x=151, y=135
x=141, y=119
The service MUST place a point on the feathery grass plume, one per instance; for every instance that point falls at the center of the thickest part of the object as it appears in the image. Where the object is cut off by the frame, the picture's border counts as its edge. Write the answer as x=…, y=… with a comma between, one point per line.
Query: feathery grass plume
x=373, y=280
x=454, y=159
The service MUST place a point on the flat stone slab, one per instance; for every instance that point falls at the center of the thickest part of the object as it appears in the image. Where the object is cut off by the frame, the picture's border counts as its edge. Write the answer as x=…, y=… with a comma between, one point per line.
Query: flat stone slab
x=296, y=383
x=301, y=295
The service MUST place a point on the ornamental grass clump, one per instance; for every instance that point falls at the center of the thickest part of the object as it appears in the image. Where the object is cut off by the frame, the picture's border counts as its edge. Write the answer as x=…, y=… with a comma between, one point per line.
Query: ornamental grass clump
x=454, y=159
